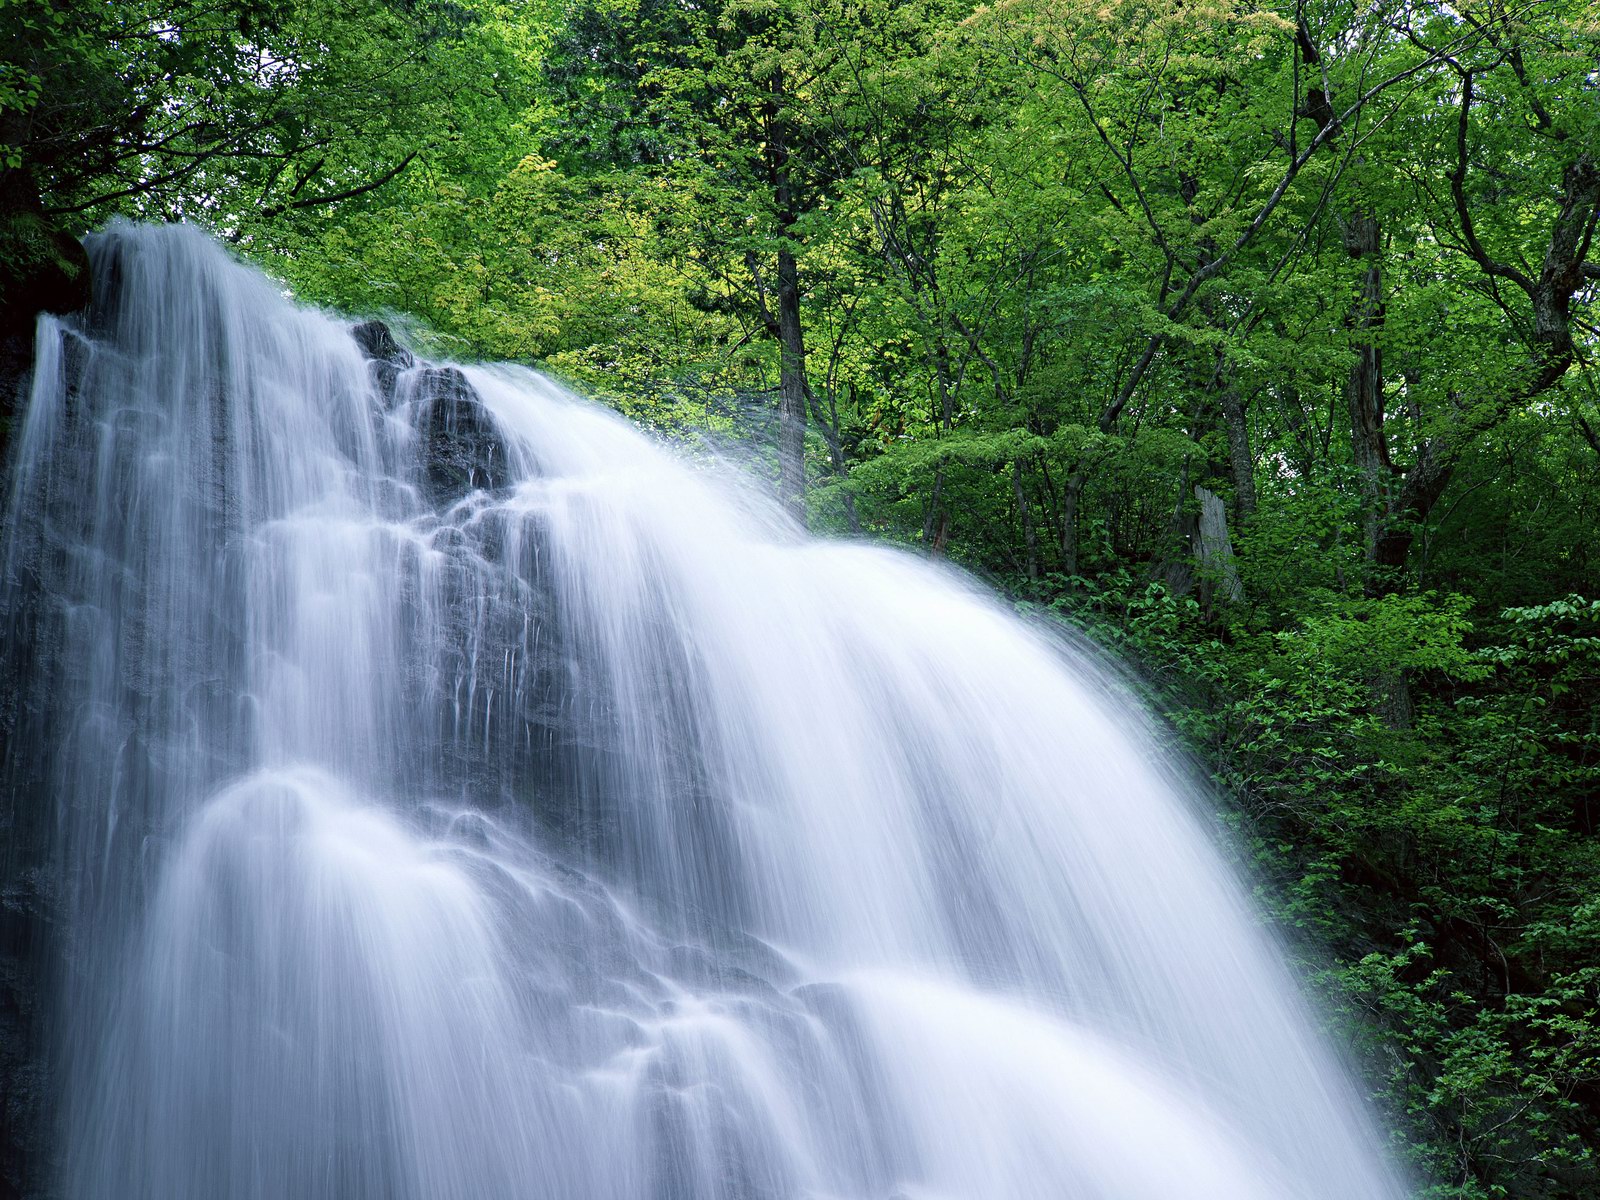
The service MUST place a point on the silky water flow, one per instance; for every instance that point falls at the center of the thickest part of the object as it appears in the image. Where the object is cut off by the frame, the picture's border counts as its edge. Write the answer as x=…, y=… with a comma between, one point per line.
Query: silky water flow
x=456, y=795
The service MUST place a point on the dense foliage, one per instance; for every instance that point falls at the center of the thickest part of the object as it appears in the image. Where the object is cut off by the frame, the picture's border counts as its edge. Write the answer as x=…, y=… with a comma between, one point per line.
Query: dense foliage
x=1255, y=340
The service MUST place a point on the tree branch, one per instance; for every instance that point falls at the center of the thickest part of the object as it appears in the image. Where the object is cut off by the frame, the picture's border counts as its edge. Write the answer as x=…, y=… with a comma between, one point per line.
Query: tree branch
x=371, y=185
x=1458, y=193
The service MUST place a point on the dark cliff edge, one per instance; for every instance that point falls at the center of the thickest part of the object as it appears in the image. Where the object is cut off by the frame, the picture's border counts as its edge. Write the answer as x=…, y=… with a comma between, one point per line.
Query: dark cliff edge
x=43, y=269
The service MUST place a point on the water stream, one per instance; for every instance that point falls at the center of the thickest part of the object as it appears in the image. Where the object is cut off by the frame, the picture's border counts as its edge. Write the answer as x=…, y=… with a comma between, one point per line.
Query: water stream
x=454, y=795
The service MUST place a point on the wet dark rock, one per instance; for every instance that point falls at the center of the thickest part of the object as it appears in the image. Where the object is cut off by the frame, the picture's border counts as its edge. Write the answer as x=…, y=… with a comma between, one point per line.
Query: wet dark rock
x=377, y=341
x=388, y=357
x=29, y=941
x=43, y=269
x=461, y=449
x=24, y=1075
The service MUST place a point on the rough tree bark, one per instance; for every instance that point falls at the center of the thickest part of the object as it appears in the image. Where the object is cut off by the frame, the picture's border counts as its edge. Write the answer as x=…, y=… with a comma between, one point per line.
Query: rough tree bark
x=1364, y=395
x=1213, y=549
x=1241, y=462
x=790, y=332
x=1362, y=237
x=791, y=390
x=1030, y=535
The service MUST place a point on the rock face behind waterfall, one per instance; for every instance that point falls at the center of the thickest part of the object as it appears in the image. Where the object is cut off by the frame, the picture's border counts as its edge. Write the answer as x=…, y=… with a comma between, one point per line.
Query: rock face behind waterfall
x=42, y=270
x=461, y=449
x=387, y=356
x=442, y=792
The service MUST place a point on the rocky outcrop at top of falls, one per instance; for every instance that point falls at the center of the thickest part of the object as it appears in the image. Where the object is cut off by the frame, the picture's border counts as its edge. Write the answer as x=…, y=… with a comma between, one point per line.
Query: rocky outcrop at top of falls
x=388, y=357
x=461, y=448
x=42, y=270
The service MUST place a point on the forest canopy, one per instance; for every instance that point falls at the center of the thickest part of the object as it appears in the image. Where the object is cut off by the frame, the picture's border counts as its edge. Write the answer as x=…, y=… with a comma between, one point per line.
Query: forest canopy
x=1256, y=340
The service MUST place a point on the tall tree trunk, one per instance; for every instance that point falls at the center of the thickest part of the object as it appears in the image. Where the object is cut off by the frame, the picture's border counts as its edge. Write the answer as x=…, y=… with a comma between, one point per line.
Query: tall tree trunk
x=935, y=520
x=828, y=423
x=1364, y=399
x=1030, y=535
x=791, y=336
x=791, y=390
x=931, y=518
x=1071, y=491
x=1364, y=387
x=1241, y=462
x=1213, y=549
x=1362, y=237
x=1369, y=449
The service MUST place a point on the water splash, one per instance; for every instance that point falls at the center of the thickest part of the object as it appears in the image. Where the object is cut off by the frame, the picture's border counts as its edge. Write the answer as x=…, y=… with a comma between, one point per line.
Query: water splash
x=458, y=795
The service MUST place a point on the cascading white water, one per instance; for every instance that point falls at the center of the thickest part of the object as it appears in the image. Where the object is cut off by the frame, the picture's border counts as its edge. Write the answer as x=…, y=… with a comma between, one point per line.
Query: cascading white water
x=460, y=796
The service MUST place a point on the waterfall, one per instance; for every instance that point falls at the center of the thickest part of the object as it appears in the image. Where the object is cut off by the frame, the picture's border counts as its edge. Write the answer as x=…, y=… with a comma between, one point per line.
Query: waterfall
x=446, y=791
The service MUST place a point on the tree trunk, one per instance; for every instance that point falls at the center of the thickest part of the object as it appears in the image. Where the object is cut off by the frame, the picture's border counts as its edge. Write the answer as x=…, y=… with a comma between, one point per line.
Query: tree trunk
x=1369, y=446
x=791, y=336
x=1030, y=535
x=828, y=424
x=1070, y=493
x=1241, y=463
x=1364, y=388
x=1174, y=569
x=791, y=390
x=1369, y=450
x=1214, y=550
x=931, y=518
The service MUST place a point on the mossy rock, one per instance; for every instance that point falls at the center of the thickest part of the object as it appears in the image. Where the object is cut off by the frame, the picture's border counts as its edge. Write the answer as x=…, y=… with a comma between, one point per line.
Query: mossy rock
x=42, y=269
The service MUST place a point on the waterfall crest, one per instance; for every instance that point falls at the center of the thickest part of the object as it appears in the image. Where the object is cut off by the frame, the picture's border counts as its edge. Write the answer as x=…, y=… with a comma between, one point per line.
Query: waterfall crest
x=452, y=793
